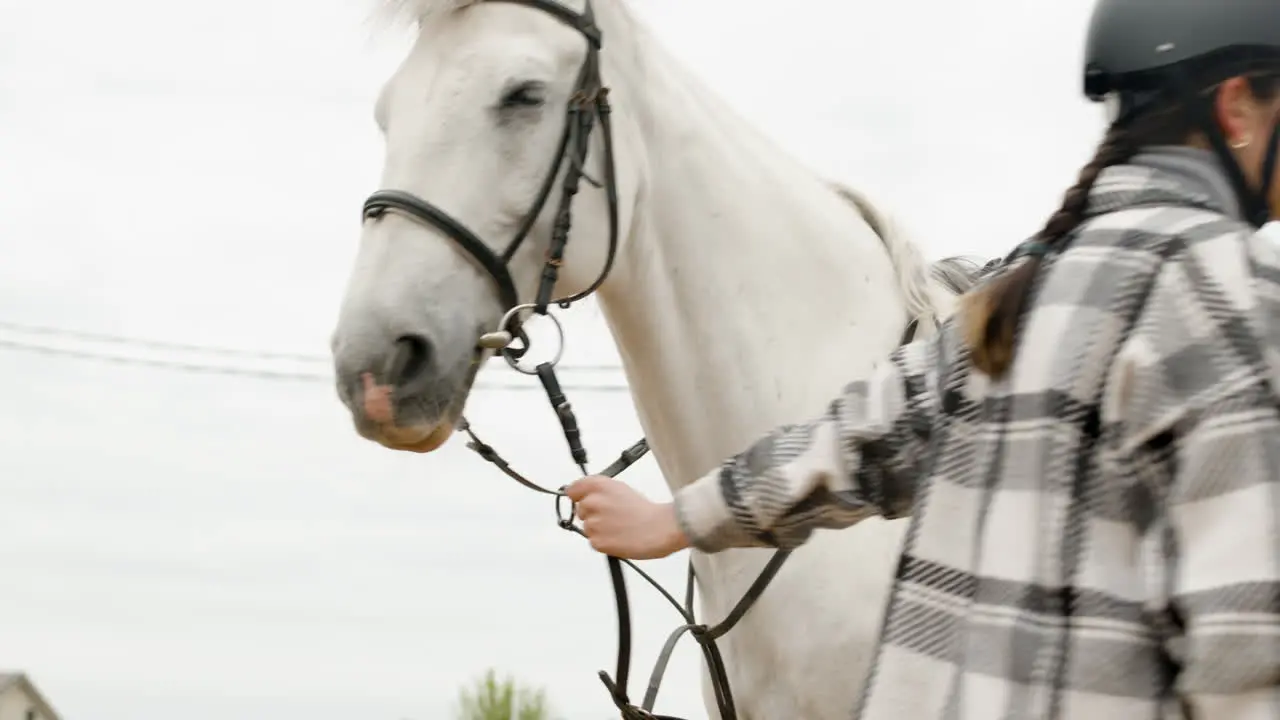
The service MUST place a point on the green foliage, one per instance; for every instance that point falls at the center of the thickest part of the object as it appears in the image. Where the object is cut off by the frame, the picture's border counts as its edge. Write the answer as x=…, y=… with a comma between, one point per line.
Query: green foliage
x=490, y=698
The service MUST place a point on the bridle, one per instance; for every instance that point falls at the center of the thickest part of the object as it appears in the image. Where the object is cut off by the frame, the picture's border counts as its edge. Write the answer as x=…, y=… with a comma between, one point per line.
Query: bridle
x=588, y=106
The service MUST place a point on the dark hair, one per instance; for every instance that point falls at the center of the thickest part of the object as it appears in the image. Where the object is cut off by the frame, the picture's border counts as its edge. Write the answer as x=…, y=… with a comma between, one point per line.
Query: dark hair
x=992, y=312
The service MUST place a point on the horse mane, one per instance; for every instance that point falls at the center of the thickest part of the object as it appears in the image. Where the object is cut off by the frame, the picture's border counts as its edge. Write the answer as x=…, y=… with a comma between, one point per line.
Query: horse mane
x=418, y=11
x=919, y=279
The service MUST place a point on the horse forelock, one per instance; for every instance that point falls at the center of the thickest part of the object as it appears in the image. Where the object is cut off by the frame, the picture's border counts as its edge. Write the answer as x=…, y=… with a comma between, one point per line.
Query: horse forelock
x=419, y=11
x=416, y=11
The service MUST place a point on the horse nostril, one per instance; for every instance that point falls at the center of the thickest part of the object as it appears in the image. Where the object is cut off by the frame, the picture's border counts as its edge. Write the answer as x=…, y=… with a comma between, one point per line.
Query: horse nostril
x=410, y=361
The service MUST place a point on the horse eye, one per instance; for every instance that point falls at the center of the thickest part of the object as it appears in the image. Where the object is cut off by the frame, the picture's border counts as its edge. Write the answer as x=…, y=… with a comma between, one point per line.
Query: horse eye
x=526, y=95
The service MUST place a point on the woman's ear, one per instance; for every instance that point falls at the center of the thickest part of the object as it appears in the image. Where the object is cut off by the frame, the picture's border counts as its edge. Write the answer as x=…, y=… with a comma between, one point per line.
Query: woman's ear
x=1236, y=111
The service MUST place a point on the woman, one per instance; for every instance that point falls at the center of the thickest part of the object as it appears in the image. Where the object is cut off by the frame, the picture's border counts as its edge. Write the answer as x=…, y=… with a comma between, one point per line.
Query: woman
x=1089, y=451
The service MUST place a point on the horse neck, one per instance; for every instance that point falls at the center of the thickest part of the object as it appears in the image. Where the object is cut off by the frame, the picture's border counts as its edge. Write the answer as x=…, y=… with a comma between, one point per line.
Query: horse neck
x=747, y=292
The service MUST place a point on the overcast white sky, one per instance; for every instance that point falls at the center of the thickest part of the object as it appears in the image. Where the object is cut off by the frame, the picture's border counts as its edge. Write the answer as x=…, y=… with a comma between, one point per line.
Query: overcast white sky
x=175, y=545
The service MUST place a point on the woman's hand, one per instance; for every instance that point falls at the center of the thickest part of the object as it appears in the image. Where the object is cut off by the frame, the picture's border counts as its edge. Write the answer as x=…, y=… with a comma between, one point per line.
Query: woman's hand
x=623, y=523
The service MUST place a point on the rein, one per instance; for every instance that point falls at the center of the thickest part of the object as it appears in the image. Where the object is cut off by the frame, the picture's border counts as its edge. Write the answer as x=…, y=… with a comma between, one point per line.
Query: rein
x=588, y=106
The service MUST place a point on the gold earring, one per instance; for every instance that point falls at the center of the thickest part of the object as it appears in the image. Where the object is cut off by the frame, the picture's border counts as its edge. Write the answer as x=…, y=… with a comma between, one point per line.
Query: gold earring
x=1241, y=143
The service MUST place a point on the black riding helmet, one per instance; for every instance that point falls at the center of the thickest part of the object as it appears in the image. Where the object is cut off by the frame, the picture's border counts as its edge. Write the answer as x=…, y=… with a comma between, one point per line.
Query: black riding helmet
x=1147, y=51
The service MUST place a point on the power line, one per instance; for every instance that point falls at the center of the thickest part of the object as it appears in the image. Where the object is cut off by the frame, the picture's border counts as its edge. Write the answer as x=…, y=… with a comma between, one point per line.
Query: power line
x=260, y=374
x=213, y=350
x=48, y=331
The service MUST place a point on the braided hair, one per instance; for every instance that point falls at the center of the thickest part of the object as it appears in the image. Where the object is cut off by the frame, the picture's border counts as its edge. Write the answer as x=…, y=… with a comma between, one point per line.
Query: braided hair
x=991, y=313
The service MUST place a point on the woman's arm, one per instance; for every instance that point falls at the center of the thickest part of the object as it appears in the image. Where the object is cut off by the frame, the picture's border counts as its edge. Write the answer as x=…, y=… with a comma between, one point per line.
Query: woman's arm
x=1224, y=559
x=1197, y=393
x=861, y=457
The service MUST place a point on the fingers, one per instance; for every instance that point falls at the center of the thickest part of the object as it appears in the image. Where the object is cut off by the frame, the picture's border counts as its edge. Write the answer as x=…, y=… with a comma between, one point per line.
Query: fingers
x=591, y=530
x=590, y=499
x=583, y=487
x=585, y=494
x=586, y=507
x=595, y=539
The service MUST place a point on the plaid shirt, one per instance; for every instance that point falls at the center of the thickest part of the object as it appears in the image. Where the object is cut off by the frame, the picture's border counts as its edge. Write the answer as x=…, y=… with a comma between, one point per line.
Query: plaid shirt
x=1094, y=536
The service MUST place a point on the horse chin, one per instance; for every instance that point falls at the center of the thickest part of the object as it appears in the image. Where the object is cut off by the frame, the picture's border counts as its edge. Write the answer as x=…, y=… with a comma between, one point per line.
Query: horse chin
x=415, y=438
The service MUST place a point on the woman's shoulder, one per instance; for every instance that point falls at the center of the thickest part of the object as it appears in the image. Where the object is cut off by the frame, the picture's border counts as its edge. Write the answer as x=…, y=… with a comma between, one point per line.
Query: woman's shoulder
x=1210, y=325
x=1165, y=229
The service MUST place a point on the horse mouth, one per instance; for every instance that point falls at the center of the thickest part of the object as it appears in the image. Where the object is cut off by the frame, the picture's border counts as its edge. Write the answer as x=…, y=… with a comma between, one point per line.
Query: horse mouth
x=380, y=417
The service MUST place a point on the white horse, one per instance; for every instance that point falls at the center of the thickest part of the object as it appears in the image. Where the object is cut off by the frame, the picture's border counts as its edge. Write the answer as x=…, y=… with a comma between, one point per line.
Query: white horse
x=746, y=291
